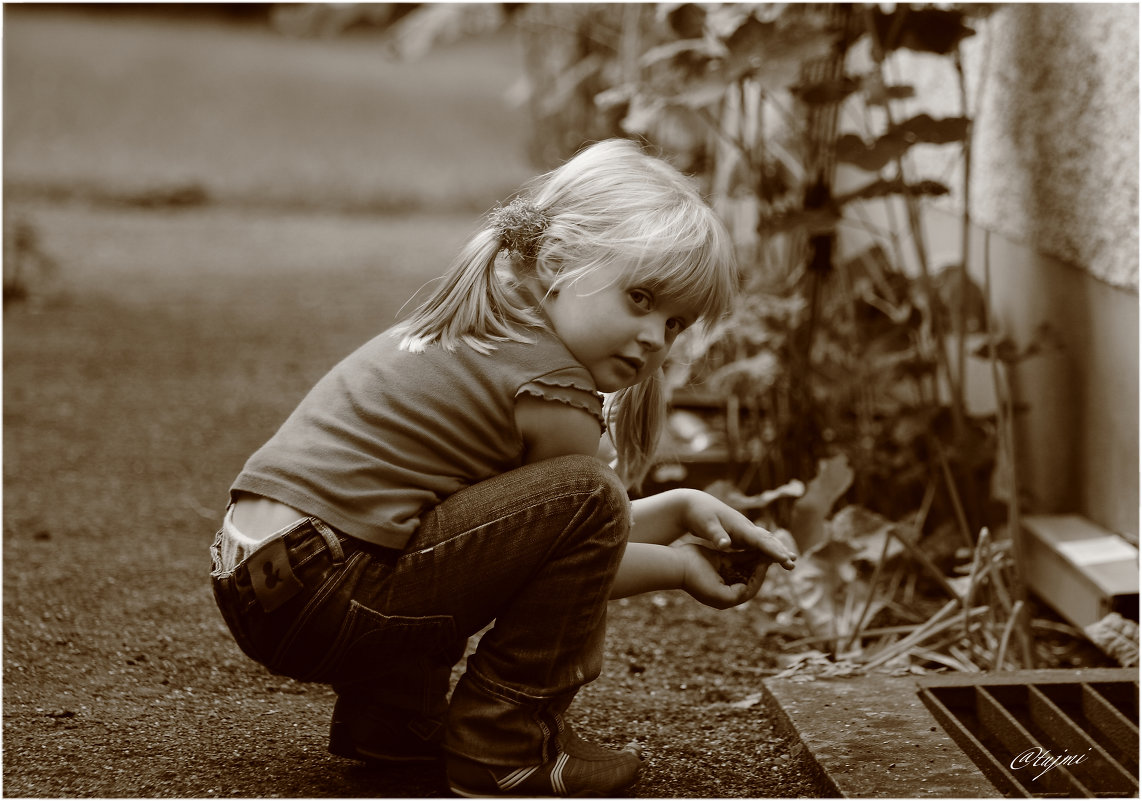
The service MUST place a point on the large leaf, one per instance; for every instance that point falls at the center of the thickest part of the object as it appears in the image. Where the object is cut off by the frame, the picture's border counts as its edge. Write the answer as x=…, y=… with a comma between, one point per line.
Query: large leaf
x=432, y=24
x=878, y=93
x=867, y=531
x=774, y=47
x=926, y=30
x=833, y=479
x=700, y=93
x=883, y=187
x=643, y=114
x=921, y=129
x=702, y=48
x=568, y=83
x=810, y=221
x=750, y=376
x=687, y=20
x=825, y=93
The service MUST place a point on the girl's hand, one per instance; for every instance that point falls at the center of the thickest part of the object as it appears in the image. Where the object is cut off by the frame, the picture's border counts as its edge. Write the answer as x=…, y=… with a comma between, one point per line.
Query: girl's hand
x=727, y=529
x=702, y=577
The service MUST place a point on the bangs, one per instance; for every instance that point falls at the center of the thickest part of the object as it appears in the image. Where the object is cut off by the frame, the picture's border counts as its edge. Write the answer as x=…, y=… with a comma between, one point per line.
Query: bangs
x=640, y=220
x=705, y=285
x=694, y=267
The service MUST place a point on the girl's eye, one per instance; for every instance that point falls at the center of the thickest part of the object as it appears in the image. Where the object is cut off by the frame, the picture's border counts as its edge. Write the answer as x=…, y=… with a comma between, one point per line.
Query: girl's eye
x=643, y=299
x=675, y=326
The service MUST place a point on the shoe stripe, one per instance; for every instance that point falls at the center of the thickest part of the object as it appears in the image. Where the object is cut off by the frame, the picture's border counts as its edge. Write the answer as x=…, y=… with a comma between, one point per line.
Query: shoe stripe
x=516, y=777
x=557, y=775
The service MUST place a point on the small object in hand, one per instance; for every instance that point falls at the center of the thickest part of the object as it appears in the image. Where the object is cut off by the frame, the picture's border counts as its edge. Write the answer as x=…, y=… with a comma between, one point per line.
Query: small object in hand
x=739, y=566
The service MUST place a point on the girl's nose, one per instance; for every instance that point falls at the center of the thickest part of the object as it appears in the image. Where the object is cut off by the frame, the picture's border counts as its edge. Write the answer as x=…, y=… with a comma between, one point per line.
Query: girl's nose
x=652, y=334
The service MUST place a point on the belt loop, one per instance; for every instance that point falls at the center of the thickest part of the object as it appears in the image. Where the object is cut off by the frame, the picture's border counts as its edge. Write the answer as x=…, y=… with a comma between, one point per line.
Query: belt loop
x=330, y=537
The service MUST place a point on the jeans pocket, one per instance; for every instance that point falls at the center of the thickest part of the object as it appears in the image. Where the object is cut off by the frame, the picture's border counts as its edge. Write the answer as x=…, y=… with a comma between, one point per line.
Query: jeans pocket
x=371, y=644
x=290, y=632
x=232, y=602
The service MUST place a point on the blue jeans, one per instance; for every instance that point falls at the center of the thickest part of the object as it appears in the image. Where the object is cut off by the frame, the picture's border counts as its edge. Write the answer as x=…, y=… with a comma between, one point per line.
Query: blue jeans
x=535, y=549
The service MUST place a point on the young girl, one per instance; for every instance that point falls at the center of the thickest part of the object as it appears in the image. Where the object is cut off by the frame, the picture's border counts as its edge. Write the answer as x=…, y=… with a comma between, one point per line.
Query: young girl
x=444, y=476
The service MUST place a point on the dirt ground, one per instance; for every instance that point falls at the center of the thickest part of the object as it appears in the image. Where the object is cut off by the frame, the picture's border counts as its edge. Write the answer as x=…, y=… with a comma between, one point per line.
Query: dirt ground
x=170, y=341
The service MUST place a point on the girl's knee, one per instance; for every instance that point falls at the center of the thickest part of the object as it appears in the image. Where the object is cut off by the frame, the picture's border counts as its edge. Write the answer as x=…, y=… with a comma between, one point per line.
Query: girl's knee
x=605, y=489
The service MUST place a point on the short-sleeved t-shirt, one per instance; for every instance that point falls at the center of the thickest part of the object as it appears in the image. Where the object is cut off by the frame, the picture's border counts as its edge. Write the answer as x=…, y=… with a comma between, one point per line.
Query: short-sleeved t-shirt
x=388, y=434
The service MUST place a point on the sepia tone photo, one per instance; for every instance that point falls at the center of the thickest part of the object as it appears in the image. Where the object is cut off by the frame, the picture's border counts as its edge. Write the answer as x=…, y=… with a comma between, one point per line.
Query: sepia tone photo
x=654, y=400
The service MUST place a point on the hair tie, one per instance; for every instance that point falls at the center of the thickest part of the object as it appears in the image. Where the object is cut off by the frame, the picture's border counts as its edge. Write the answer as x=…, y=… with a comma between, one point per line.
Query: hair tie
x=519, y=224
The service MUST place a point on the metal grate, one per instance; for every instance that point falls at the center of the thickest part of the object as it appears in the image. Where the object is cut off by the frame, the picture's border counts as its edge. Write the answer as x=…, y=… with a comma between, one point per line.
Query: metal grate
x=1043, y=734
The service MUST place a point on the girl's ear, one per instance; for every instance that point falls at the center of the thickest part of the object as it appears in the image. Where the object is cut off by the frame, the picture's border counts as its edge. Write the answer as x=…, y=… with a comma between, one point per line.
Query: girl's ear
x=546, y=273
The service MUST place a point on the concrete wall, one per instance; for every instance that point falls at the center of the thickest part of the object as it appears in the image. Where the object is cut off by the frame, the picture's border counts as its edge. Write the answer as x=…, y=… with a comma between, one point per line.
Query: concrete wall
x=1077, y=439
x=1053, y=89
x=1057, y=134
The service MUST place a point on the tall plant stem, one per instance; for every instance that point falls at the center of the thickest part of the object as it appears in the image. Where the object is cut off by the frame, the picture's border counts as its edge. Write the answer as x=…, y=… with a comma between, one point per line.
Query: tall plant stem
x=912, y=205
x=1007, y=442
x=918, y=554
x=1012, y=622
x=953, y=493
x=965, y=232
x=979, y=558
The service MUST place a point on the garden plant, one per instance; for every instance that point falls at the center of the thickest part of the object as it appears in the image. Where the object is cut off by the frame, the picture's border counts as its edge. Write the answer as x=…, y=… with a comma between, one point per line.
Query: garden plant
x=839, y=390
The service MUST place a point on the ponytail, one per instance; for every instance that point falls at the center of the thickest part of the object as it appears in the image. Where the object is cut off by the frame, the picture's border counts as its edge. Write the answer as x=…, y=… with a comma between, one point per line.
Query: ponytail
x=636, y=416
x=472, y=305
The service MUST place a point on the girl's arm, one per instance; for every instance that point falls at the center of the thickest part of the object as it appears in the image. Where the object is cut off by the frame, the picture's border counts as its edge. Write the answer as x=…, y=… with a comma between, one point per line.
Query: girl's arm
x=648, y=568
x=651, y=563
x=550, y=429
x=663, y=518
x=691, y=567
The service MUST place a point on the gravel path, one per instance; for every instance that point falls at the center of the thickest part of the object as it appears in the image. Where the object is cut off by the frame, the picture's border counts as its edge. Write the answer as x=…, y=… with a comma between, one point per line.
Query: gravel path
x=125, y=416
x=172, y=341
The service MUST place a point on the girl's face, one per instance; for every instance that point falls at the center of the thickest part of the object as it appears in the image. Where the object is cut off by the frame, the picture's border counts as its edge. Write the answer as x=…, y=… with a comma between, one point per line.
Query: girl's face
x=621, y=334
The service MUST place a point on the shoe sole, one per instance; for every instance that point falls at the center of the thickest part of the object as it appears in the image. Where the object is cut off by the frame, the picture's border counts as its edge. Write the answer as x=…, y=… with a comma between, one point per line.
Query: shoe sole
x=465, y=793
x=460, y=791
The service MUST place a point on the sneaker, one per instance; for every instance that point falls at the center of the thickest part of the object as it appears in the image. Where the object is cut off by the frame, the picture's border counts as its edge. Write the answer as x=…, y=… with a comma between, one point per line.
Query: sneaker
x=582, y=770
x=368, y=731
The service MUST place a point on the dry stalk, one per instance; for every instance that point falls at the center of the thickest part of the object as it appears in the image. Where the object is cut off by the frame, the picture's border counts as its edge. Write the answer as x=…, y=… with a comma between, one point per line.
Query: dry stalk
x=1001, y=654
x=981, y=547
x=872, y=584
x=953, y=493
x=965, y=658
x=953, y=638
x=1058, y=628
x=903, y=611
x=916, y=553
x=942, y=659
x=918, y=637
x=998, y=584
x=990, y=643
x=938, y=624
x=867, y=634
x=917, y=526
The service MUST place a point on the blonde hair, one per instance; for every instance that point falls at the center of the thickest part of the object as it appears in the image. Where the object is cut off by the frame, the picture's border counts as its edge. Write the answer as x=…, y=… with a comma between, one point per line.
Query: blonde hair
x=611, y=207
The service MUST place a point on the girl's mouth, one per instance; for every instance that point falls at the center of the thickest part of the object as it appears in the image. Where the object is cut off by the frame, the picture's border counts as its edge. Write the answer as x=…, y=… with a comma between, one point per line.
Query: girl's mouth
x=634, y=364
